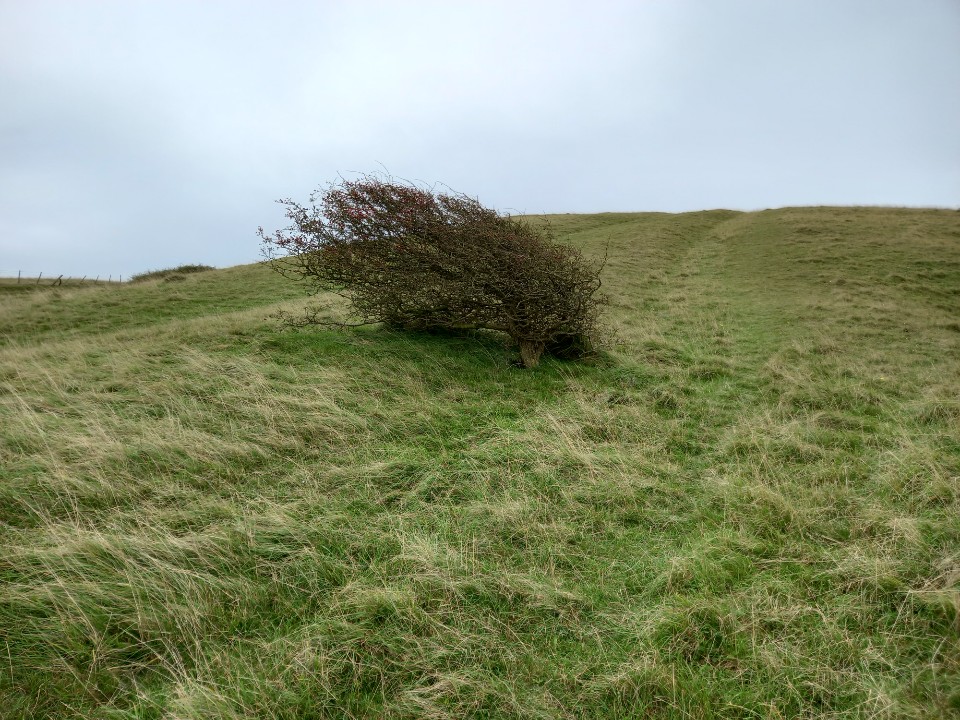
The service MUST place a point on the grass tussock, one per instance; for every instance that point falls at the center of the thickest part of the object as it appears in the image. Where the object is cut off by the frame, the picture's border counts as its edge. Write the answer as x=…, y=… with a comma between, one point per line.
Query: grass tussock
x=749, y=508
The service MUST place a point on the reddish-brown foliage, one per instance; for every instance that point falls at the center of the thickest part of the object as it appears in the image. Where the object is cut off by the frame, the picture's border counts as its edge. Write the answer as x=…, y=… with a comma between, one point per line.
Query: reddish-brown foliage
x=418, y=259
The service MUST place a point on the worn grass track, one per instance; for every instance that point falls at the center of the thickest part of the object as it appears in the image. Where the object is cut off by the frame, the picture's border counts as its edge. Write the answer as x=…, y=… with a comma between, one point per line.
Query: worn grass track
x=749, y=508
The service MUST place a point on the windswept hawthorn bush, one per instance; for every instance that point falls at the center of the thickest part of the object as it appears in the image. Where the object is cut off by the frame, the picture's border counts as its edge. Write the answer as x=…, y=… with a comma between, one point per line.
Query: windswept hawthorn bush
x=418, y=259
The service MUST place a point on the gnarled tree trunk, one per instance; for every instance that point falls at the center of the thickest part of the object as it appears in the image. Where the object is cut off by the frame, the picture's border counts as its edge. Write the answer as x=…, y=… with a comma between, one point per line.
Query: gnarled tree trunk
x=530, y=352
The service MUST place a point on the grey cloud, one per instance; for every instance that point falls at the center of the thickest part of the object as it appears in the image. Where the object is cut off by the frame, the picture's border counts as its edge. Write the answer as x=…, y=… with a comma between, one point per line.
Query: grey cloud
x=139, y=135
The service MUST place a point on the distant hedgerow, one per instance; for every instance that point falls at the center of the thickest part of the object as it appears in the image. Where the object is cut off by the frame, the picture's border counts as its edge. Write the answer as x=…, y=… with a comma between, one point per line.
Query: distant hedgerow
x=417, y=259
x=171, y=274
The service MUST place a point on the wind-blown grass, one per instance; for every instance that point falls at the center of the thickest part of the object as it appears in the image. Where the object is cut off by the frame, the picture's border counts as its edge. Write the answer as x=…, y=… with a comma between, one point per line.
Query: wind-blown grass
x=748, y=508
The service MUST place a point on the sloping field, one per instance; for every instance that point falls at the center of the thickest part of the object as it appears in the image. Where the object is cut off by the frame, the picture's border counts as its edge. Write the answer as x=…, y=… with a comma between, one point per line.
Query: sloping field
x=750, y=508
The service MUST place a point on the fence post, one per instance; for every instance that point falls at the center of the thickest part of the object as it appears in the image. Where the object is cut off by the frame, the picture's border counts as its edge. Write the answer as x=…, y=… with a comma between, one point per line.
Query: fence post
x=38, y=278
x=18, y=277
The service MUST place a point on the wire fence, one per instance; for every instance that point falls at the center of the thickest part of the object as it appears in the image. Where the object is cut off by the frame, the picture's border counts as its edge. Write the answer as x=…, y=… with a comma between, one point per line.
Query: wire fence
x=28, y=279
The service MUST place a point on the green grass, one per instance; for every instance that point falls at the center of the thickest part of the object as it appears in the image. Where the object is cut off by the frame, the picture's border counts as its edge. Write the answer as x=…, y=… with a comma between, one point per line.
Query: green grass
x=12, y=285
x=750, y=507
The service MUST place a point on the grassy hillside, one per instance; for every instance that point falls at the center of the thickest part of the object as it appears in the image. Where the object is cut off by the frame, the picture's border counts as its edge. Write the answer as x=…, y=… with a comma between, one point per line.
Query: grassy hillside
x=750, y=508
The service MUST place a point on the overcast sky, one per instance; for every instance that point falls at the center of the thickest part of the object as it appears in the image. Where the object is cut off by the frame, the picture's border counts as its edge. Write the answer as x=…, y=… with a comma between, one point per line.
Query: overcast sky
x=138, y=135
